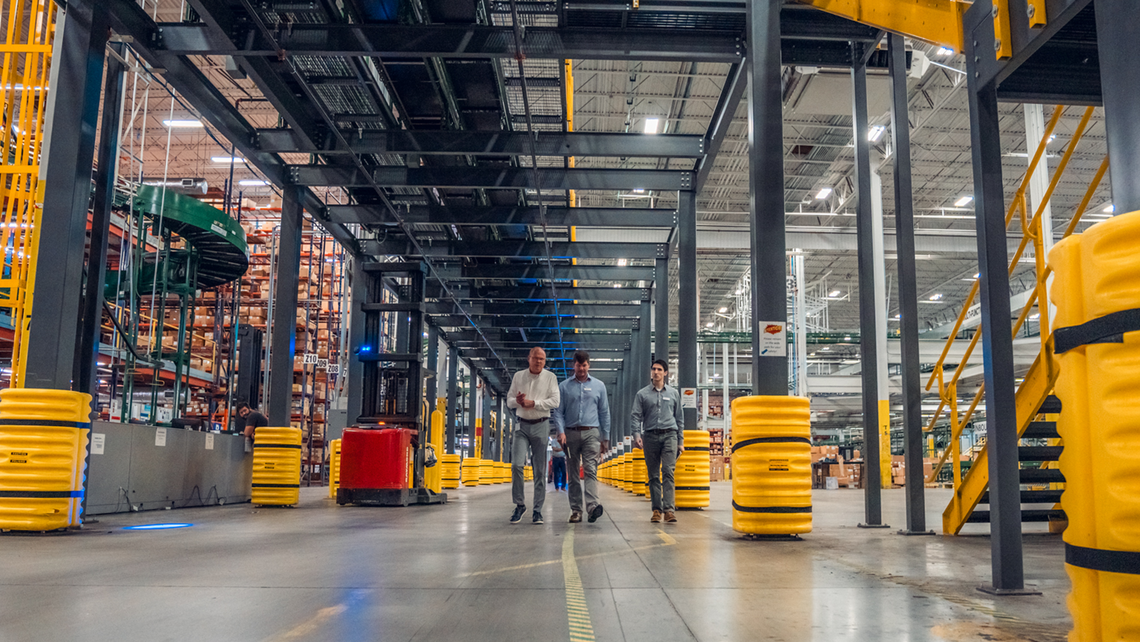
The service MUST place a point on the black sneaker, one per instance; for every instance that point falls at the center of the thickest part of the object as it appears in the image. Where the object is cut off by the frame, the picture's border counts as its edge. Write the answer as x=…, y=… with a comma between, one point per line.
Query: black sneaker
x=516, y=517
x=595, y=513
x=537, y=519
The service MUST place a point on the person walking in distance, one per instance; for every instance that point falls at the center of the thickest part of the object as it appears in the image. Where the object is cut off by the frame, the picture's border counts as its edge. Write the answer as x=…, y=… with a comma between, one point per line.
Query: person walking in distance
x=658, y=429
x=533, y=394
x=557, y=463
x=582, y=419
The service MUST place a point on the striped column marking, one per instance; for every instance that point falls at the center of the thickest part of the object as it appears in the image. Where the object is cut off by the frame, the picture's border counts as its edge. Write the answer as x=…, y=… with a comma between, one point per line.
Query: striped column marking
x=581, y=628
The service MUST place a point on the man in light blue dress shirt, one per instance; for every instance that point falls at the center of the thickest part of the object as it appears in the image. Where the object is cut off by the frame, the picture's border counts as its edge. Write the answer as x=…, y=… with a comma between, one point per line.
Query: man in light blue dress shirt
x=582, y=419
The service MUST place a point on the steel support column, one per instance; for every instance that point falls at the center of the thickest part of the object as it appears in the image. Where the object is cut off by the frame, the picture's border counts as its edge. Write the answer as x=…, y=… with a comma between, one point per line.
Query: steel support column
x=908, y=290
x=358, y=293
x=624, y=423
x=71, y=120
x=687, y=297
x=644, y=346
x=661, y=311
x=766, y=179
x=485, y=404
x=868, y=327
x=283, y=337
x=1119, y=74
x=431, y=385
x=473, y=413
x=86, y=381
x=997, y=342
x=452, y=410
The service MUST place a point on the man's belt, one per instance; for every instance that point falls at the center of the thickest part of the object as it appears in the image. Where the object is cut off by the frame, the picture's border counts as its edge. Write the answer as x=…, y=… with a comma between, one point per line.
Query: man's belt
x=534, y=421
x=661, y=430
x=580, y=427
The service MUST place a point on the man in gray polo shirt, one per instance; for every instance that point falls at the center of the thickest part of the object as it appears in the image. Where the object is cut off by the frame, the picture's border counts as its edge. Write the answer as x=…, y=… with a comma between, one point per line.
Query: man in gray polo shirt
x=582, y=419
x=533, y=394
x=658, y=429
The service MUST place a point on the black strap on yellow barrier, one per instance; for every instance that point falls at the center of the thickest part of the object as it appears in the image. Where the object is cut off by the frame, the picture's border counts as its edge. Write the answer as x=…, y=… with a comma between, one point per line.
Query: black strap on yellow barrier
x=41, y=494
x=1097, y=559
x=697, y=448
x=297, y=446
x=771, y=509
x=771, y=440
x=45, y=422
x=701, y=488
x=276, y=485
x=1107, y=329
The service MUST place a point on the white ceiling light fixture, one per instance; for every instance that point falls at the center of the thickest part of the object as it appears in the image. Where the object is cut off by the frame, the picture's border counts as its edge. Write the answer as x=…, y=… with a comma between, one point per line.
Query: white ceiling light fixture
x=226, y=159
x=709, y=324
x=253, y=182
x=834, y=293
x=823, y=193
x=964, y=201
x=1109, y=209
x=617, y=285
x=623, y=262
x=944, y=51
x=651, y=125
x=876, y=133
x=936, y=297
x=638, y=191
x=722, y=310
x=183, y=123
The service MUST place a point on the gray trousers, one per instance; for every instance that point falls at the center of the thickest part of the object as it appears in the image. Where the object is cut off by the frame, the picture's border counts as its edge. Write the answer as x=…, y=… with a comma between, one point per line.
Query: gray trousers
x=660, y=459
x=583, y=447
x=534, y=437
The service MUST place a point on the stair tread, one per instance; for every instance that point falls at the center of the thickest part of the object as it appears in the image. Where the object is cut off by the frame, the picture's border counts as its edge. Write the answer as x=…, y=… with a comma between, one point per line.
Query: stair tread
x=1040, y=476
x=1051, y=405
x=1039, y=453
x=1044, y=515
x=1049, y=496
x=1041, y=430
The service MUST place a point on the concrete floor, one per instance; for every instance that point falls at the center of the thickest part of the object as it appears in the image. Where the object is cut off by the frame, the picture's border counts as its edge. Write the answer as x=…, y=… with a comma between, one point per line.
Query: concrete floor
x=461, y=572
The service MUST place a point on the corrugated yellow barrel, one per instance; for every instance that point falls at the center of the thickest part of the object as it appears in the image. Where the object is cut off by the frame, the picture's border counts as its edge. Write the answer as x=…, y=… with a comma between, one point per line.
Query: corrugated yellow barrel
x=334, y=467
x=43, y=444
x=487, y=472
x=692, y=472
x=276, y=466
x=771, y=454
x=640, y=472
x=450, y=463
x=627, y=477
x=1098, y=275
x=528, y=473
x=471, y=470
x=505, y=472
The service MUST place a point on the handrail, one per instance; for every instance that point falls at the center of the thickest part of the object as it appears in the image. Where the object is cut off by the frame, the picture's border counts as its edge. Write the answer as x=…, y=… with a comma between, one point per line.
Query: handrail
x=1032, y=231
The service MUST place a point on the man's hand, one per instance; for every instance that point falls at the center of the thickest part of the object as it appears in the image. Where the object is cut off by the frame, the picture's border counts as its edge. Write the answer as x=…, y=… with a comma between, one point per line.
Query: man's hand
x=639, y=444
x=520, y=399
x=680, y=450
x=605, y=445
x=562, y=439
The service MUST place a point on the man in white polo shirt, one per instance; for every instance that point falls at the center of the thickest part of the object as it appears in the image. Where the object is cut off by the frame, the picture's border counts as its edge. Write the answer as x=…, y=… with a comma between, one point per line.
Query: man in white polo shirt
x=533, y=394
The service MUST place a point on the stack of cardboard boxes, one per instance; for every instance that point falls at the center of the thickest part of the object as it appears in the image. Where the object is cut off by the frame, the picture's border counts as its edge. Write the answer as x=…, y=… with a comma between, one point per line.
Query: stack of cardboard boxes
x=898, y=469
x=829, y=462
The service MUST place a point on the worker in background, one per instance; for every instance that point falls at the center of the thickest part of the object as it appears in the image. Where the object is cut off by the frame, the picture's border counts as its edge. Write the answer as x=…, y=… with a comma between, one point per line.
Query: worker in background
x=658, y=429
x=253, y=420
x=583, y=423
x=533, y=394
x=557, y=463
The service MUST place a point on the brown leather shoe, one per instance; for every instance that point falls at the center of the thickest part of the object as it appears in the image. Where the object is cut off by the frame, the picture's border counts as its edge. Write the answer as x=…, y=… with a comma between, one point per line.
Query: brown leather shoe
x=656, y=519
x=575, y=517
x=670, y=518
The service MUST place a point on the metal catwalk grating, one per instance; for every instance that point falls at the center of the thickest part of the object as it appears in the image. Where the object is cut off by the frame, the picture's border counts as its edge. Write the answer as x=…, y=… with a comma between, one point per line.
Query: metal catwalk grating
x=323, y=66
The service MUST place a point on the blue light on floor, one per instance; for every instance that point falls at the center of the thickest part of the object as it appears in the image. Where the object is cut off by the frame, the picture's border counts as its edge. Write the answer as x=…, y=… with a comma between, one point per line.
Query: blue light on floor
x=156, y=527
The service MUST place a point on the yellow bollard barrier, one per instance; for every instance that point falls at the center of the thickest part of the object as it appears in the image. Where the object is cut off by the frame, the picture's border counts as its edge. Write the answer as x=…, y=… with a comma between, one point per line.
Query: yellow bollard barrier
x=43, y=444
x=487, y=474
x=627, y=472
x=471, y=471
x=771, y=452
x=276, y=466
x=640, y=472
x=1097, y=273
x=334, y=467
x=433, y=475
x=450, y=463
x=528, y=473
x=693, y=471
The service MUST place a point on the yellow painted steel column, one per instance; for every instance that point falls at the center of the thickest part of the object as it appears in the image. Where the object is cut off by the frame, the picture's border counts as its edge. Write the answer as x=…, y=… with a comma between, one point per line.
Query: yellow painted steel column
x=885, y=441
x=771, y=454
x=433, y=475
x=43, y=443
x=450, y=463
x=693, y=471
x=334, y=467
x=471, y=471
x=276, y=466
x=1097, y=274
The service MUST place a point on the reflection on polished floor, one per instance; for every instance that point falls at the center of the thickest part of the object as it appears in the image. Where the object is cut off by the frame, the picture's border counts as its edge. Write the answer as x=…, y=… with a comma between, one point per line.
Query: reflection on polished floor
x=461, y=572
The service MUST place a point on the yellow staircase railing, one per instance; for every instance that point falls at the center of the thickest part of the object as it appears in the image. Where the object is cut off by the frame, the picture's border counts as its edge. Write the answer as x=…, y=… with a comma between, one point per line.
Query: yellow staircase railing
x=1038, y=382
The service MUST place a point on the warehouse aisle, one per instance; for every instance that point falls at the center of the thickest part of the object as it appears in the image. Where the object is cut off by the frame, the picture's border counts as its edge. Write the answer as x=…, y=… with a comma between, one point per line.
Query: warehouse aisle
x=461, y=572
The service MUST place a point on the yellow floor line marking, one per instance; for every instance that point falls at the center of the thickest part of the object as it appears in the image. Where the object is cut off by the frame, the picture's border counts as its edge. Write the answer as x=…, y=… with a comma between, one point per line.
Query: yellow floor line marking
x=581, y=628
x=667, y=540
x=312, y=625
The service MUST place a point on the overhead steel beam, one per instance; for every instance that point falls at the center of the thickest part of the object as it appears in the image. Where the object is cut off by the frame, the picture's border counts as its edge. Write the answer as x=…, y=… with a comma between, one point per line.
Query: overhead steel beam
x=528, y=323
x=493, y=178
x=562, y=272
x=492, y=143
x=372, y=215
x=464, y=42
x=566, y=309
x=516, y=249
x=128, y=19
x=726, y=107
x=541, y=293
